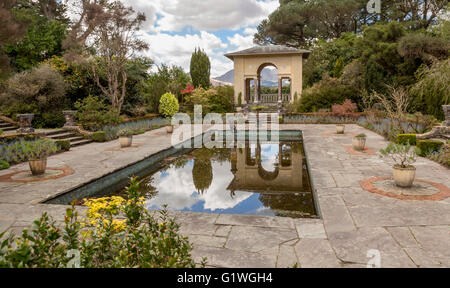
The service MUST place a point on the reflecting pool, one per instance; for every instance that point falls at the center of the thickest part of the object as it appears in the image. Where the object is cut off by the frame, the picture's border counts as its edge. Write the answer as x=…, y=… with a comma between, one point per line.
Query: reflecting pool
x=269, y=179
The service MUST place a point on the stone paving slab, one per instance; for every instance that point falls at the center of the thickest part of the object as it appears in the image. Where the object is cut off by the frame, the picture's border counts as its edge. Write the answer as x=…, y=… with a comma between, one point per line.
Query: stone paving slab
x=353, y=221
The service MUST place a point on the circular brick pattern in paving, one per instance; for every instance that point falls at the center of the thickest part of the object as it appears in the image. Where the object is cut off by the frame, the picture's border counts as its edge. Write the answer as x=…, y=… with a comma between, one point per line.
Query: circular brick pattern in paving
x=25, y=176
x=421, y=189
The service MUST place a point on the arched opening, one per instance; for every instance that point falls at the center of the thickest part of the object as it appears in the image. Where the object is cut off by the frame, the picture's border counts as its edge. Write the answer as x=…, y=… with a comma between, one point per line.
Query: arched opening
x=268, y=79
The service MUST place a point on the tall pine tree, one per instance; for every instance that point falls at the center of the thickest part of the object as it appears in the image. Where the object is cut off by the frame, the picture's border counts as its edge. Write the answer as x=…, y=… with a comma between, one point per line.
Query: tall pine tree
x=200, y=69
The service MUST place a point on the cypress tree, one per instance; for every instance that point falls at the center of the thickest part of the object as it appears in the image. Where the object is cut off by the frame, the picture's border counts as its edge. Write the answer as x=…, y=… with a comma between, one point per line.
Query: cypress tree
x=200, y=69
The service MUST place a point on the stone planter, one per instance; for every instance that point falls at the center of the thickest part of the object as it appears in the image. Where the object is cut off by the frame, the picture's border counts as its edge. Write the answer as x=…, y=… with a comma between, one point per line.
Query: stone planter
x=38, y=167
x=359, y=143
x=404, y=177
x=340, y=129
x=25, y=123
x=169, y=129
x=125, y=141
x=70, y=118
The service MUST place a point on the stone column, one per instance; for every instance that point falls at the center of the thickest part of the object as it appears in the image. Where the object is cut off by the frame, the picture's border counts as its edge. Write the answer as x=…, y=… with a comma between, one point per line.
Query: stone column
x=447, y=115
x=25, y=123
x=257, y=84
x=280, y=90
x=70, y=118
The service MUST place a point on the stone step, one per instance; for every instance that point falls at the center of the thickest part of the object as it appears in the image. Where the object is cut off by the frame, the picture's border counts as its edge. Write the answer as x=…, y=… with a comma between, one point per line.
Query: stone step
x=62, y=135
x=80, y=142
x=75, y=138
x=4, y=124
x=55, y=132
x=9, y=128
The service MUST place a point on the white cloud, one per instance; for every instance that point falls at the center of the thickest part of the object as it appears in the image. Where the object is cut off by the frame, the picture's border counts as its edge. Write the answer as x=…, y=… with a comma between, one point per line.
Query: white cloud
x=177, y=49
x=211, y=15
x=199, y=20
x=240, y=42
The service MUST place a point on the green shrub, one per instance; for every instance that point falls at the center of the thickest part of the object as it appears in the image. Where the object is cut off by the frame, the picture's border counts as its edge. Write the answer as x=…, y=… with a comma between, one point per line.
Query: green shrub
x=126, y=132
x=325, y=94
x=240, y=99
x=222, y=100
x=23, y=150
x=168, y=105
x=99, y=136
x=93, y=114
x=41, y=91
x=429, y=146
x=403, y=155
x=404, y=139
x=100, y=239
x=49, y=120
x=431, y=90
x=1, y=131
x=4, y=165
x=63, y=145
x=442, y=156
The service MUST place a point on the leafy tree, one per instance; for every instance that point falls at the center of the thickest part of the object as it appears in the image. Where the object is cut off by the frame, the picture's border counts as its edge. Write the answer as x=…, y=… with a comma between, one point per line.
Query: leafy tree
x=298, y=23
x=43, y=38
x=432, y=89
x=12, y=30
x=200, y=69
x=166, y=79
x=41, y=91
x=115, y=43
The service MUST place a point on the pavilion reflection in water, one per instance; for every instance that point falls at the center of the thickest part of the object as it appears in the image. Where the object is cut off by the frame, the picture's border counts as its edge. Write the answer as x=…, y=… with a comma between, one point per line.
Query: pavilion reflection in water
x=284, y=187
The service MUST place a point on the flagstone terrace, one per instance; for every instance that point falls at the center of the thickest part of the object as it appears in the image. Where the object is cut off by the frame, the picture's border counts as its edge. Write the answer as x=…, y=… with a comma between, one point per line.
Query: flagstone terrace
x=354, y=218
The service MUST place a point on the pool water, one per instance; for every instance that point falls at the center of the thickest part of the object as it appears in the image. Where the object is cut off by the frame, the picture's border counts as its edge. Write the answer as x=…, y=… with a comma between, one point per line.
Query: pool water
x=269, y=179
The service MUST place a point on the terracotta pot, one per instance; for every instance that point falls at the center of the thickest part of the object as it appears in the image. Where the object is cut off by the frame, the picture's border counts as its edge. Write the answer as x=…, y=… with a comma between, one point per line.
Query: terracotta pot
x=404, y=177
x=359, y=143
x=340, y=129
x=125, y=141
x=169, y=129
x=38, y=167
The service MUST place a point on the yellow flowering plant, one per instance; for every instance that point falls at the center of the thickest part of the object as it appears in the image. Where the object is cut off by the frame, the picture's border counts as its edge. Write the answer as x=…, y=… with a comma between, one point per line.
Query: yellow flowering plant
x=112, y=233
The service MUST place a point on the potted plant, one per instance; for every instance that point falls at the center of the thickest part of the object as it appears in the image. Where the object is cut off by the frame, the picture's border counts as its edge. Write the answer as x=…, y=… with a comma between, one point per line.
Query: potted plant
x=37, y=152
x=125, y=137
x=340, y=129
x=168, y=107
x=359, y=142
x=404, y=156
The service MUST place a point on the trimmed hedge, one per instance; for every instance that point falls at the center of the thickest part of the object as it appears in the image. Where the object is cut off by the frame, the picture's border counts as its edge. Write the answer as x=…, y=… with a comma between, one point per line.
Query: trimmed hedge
x=429, y=146
x=4, y=165
x=404, y=139
x=63, y=145
x=99, y=136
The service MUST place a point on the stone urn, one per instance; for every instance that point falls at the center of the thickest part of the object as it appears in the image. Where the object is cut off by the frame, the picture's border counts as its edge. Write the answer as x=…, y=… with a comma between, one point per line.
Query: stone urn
x=25, y=123
x=359, y=142
x=169, y=129
x=404, y=176
x=125, y=141
x=340, y=129
x=38, y=167
x=69, y=115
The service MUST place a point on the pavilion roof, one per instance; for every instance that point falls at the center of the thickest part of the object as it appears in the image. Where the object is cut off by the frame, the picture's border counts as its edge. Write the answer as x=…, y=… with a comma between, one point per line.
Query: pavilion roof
x=268, y=50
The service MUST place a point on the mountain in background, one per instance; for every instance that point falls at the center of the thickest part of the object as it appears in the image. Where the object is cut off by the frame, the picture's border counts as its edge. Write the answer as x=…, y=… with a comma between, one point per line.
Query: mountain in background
x=269, y=77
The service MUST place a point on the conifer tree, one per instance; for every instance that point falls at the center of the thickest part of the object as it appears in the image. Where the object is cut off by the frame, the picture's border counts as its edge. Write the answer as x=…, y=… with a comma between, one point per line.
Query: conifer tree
x=200, y=69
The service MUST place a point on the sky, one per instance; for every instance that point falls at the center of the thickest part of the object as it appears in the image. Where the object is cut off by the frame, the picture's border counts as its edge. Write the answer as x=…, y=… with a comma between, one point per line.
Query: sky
x=174, y=28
